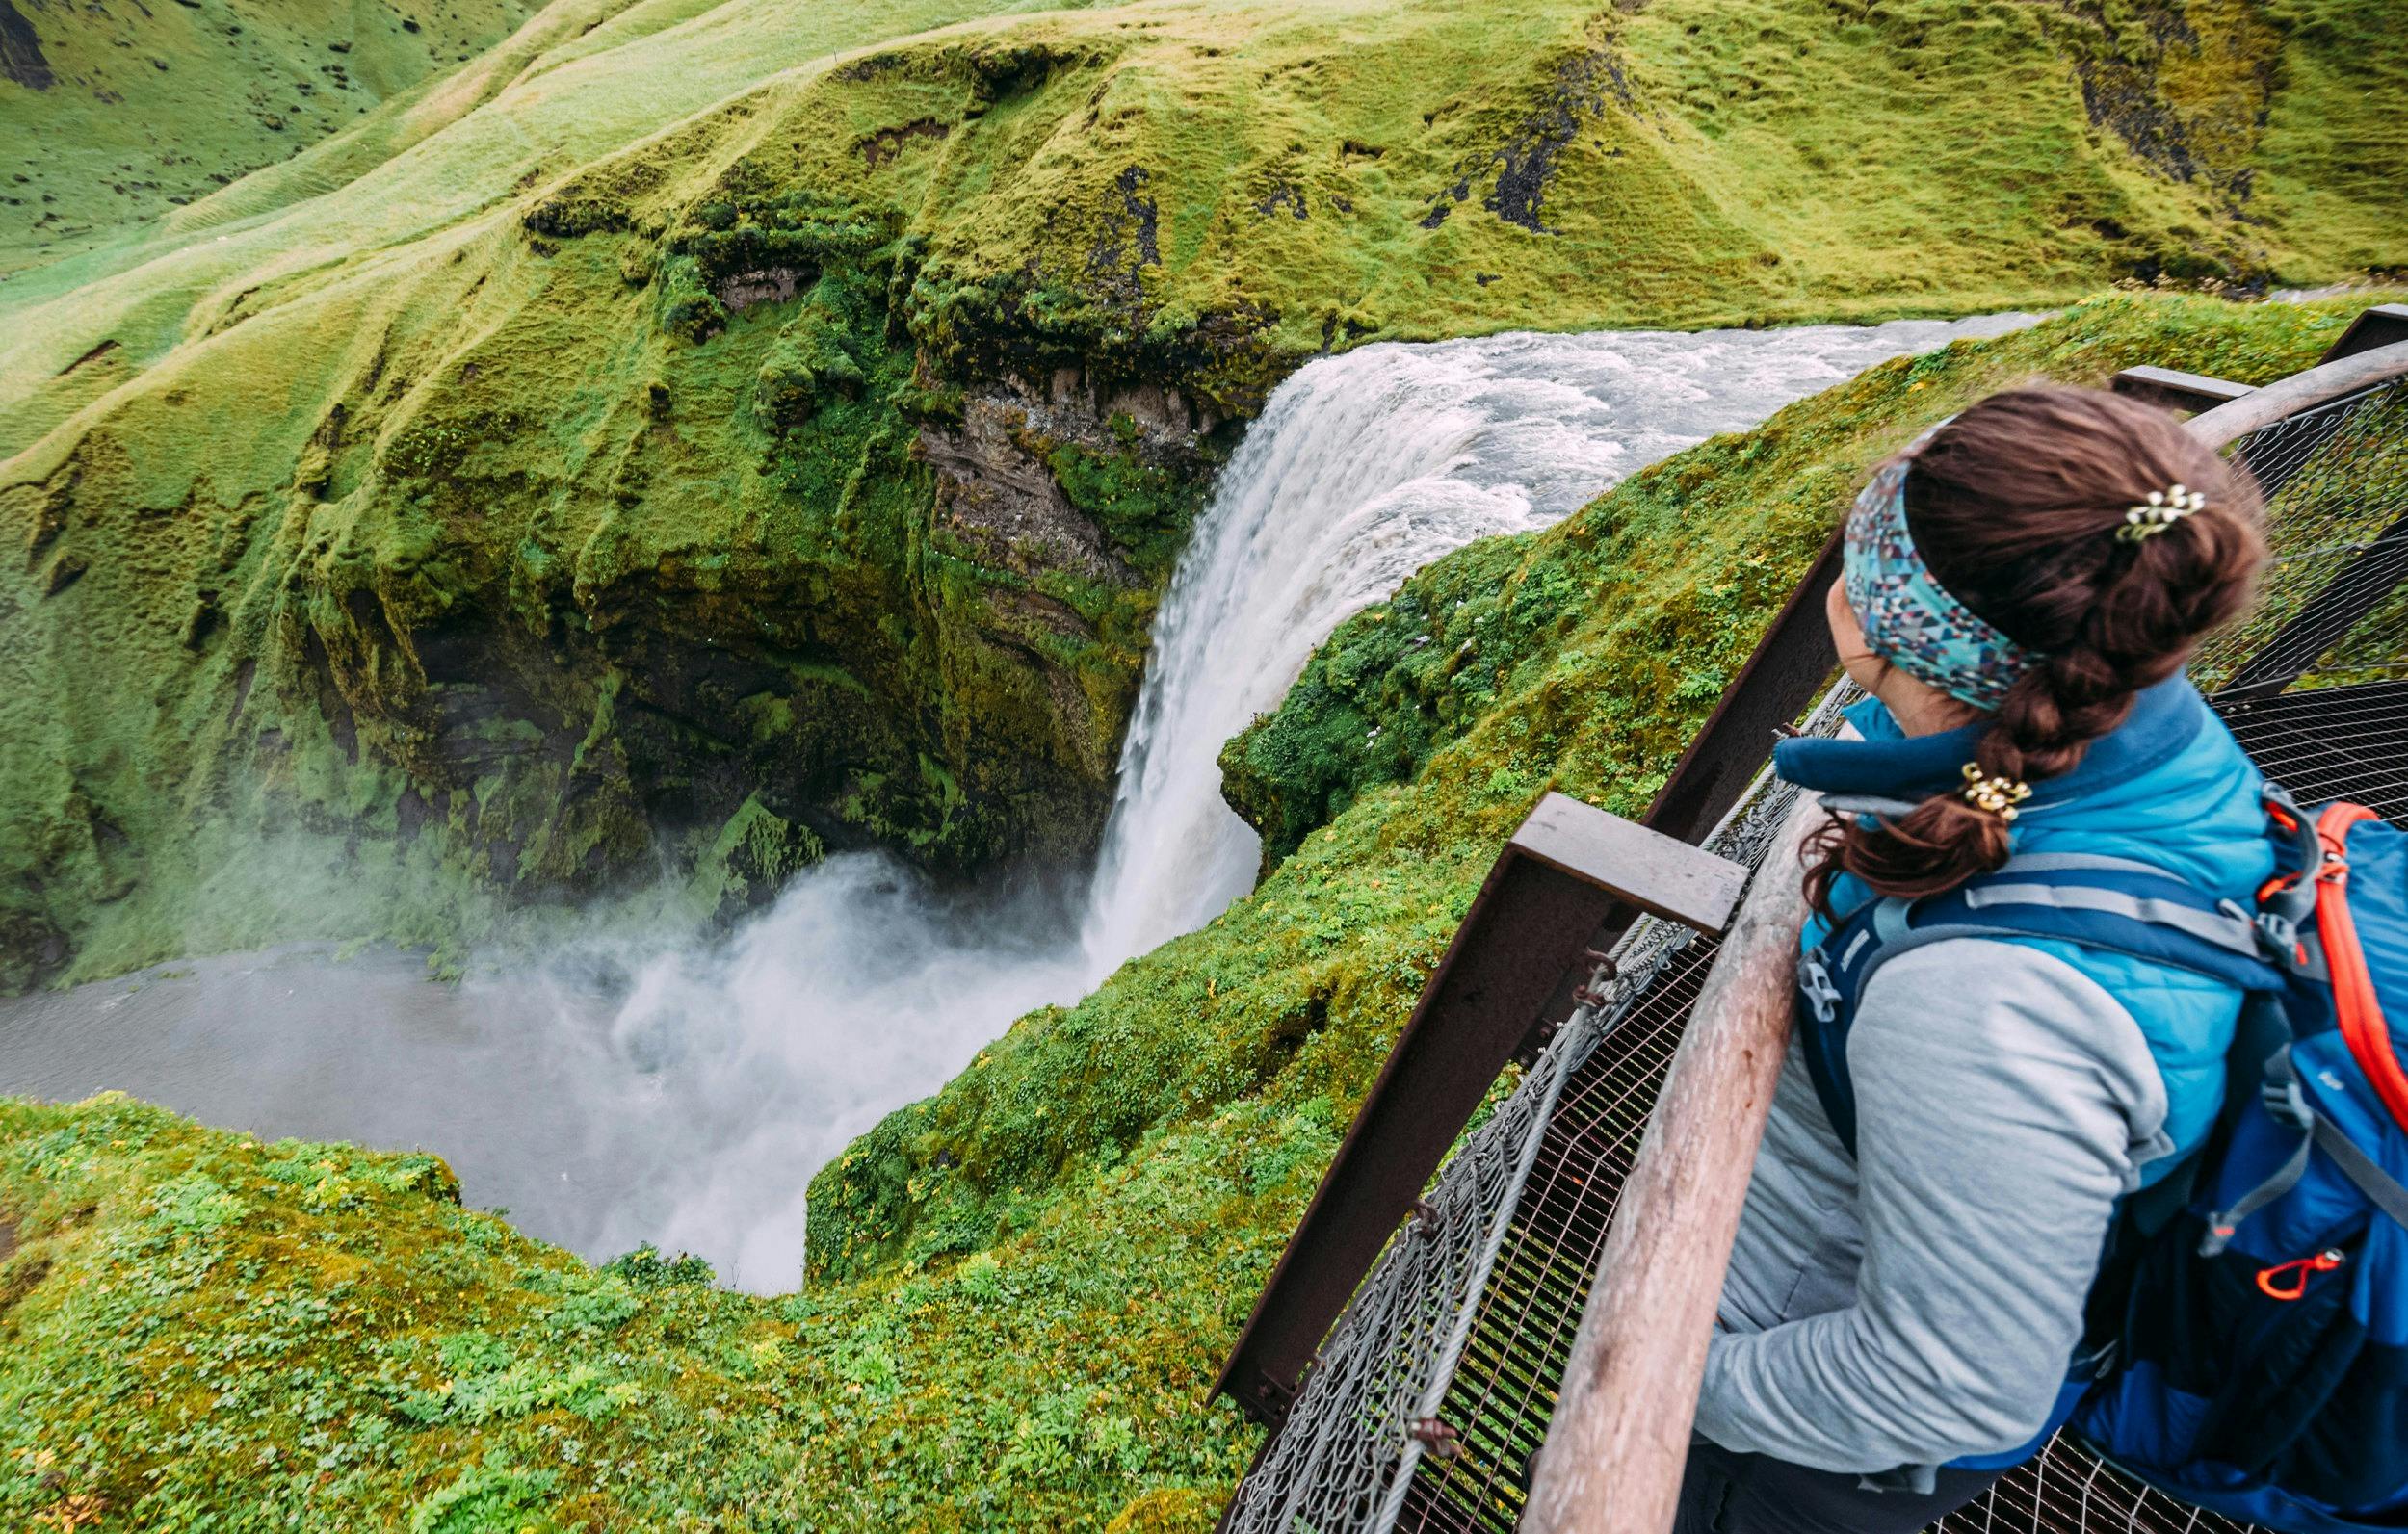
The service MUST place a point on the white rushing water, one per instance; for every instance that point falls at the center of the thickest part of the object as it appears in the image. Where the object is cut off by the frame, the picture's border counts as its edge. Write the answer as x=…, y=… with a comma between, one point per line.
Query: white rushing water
x=646, y=1090
x=1365, y=468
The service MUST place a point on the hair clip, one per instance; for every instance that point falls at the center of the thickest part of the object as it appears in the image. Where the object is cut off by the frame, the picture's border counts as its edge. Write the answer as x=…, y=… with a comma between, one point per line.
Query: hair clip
x=1998, y=795
x=2161, y=510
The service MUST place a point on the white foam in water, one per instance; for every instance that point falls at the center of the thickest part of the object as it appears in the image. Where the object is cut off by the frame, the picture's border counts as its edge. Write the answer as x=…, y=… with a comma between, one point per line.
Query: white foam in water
x=1365, y=468
x=687, y=1100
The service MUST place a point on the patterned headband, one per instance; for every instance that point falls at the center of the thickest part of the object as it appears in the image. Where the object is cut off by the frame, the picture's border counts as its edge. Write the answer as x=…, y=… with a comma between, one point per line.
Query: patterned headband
x=1909, y=619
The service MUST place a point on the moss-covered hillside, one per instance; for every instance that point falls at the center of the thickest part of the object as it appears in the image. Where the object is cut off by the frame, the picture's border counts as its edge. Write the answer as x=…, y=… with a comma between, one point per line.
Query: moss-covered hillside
x=111, y=113
x=1021, y=1287
x=688, y=437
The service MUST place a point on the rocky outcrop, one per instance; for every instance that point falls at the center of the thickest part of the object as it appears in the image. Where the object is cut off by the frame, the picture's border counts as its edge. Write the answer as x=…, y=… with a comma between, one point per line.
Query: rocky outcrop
x=22, y=60
x=994, y=491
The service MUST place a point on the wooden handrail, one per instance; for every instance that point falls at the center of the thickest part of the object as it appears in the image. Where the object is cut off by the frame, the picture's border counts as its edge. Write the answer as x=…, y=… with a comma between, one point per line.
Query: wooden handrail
x=1570, y=868
x=2301, y=391
x=1619, y=1439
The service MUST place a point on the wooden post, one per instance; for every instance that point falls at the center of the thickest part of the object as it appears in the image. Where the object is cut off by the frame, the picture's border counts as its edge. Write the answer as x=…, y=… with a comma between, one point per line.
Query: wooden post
x=1619, y=1439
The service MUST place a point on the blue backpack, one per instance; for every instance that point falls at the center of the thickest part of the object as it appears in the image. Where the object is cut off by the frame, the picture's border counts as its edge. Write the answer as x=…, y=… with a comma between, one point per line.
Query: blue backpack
x=2247, y=1338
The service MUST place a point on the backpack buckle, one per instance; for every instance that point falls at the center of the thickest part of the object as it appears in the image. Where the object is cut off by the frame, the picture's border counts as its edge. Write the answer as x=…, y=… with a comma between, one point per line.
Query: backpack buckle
x=1813, y=983
x=2285, y=1102
x=2280, y=934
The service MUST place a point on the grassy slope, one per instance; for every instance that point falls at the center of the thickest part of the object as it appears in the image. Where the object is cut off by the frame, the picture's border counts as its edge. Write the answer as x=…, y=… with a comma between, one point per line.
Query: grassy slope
x=311, y=439
x=360, y=479
x=1024, y=1283
x=132, y=110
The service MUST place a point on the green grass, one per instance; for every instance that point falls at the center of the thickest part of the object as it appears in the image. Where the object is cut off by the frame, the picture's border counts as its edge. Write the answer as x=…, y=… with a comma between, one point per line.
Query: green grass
x=1020, y=1287
x=434, y=492
x=122, y=112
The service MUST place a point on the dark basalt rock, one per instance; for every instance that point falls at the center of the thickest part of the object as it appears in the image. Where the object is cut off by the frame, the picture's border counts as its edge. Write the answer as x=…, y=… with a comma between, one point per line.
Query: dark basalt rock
x=21, y=57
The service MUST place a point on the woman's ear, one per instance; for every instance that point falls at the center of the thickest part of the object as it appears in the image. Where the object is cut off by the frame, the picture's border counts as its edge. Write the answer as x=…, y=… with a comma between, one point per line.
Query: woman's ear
x=1920, y=708
x=1847, y=636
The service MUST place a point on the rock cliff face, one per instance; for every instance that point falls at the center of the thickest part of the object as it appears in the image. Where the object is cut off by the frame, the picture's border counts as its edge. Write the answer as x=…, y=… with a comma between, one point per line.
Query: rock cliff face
x=779, y=571
x=664, y=450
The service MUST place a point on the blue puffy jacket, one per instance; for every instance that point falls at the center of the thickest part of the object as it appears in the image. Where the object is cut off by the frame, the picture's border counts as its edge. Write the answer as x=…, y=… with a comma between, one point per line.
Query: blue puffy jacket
x=2170, y=788
x=1838, y=1369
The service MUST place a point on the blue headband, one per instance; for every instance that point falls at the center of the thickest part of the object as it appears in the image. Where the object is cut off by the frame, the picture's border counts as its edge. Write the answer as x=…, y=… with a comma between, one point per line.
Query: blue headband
x=1909, y=619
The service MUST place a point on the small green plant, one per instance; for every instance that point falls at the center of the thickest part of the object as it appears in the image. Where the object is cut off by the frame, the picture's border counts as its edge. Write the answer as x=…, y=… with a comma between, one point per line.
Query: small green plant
x=488, y=1499
x=195, y=1203
x=645, y=1268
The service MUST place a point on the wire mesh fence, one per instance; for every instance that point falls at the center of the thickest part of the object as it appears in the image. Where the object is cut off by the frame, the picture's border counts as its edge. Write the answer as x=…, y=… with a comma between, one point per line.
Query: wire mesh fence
x=2332, y=610
x=1377, y=1430
x=1428, y=1403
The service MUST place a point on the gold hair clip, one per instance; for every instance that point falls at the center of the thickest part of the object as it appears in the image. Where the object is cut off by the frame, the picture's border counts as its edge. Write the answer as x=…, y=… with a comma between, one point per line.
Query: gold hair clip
x=1998, y=795
x=2161, y=510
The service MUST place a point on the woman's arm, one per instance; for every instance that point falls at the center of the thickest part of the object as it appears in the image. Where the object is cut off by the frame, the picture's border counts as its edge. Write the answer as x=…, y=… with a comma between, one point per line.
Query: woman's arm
x=2001, y=1097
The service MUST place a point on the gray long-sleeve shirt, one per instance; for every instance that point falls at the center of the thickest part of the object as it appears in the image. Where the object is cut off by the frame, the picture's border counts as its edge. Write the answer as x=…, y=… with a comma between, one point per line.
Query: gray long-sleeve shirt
x=1921, y=1303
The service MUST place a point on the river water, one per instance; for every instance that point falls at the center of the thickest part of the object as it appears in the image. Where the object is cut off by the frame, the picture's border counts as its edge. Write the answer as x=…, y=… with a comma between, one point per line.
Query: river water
x=641, y=1089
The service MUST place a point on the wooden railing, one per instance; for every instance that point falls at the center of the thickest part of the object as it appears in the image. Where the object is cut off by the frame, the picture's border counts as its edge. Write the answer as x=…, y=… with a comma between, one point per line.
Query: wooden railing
x=1371, y=1435
x=1619, y=1438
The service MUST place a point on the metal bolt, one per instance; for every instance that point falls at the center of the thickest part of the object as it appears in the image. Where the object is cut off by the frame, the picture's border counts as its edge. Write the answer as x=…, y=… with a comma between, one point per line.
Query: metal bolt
x=1440, y=1441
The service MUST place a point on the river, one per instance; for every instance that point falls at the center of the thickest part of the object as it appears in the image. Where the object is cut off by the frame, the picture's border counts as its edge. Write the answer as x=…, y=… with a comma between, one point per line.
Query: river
x=639, y=1089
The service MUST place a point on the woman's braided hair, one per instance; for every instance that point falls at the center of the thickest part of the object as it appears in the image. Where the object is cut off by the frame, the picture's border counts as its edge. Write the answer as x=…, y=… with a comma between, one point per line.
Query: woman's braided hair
x=2016, y=506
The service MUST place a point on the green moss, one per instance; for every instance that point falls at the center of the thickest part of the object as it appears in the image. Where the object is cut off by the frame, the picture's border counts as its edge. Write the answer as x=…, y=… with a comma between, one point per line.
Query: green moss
x=592, y=385
x=349, y=1351
x=1021, y=1288
x=753, y=854
x=1145, y=510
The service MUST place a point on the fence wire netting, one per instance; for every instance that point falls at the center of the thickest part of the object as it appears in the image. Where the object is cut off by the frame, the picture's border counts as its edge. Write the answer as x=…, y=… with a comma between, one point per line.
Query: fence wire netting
x=2330, y=607
x=2317, y=676
x=1426, y=1407
x=1378, y=1404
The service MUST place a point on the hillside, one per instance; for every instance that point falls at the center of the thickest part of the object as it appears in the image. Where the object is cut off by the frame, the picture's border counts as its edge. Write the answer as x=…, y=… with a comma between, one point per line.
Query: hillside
x=1021, y=1287
x=689, y=437
x=113, y=114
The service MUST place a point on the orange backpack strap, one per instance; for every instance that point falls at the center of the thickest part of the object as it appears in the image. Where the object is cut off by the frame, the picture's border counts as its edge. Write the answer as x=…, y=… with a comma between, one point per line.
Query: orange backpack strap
x=2356, y=1008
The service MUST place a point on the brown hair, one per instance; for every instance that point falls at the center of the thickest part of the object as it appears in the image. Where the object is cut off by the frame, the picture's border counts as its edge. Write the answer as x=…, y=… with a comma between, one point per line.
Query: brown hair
x=2015, y=508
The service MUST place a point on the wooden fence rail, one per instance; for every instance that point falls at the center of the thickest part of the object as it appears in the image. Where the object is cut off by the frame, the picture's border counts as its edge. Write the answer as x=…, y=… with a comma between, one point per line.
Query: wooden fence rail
x=1619, y=1439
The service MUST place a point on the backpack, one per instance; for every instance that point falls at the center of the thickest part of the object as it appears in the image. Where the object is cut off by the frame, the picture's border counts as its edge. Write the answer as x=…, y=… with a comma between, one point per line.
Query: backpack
x=2247, y=1346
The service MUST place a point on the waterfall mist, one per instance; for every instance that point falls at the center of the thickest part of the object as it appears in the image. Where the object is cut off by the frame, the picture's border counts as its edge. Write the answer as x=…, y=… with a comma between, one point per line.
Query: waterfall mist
x=640, y=1087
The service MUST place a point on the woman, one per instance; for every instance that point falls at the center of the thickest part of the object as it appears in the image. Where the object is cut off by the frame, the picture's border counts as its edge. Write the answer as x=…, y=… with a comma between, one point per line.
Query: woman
x=1899, y=1326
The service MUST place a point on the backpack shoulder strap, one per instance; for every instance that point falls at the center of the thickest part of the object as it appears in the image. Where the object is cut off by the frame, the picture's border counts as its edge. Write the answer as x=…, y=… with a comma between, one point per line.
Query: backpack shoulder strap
x=2112, y=904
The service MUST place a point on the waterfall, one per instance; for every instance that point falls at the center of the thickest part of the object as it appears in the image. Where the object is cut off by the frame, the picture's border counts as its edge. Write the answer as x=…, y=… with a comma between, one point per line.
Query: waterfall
x=1363, y=469
x=642, y=1089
